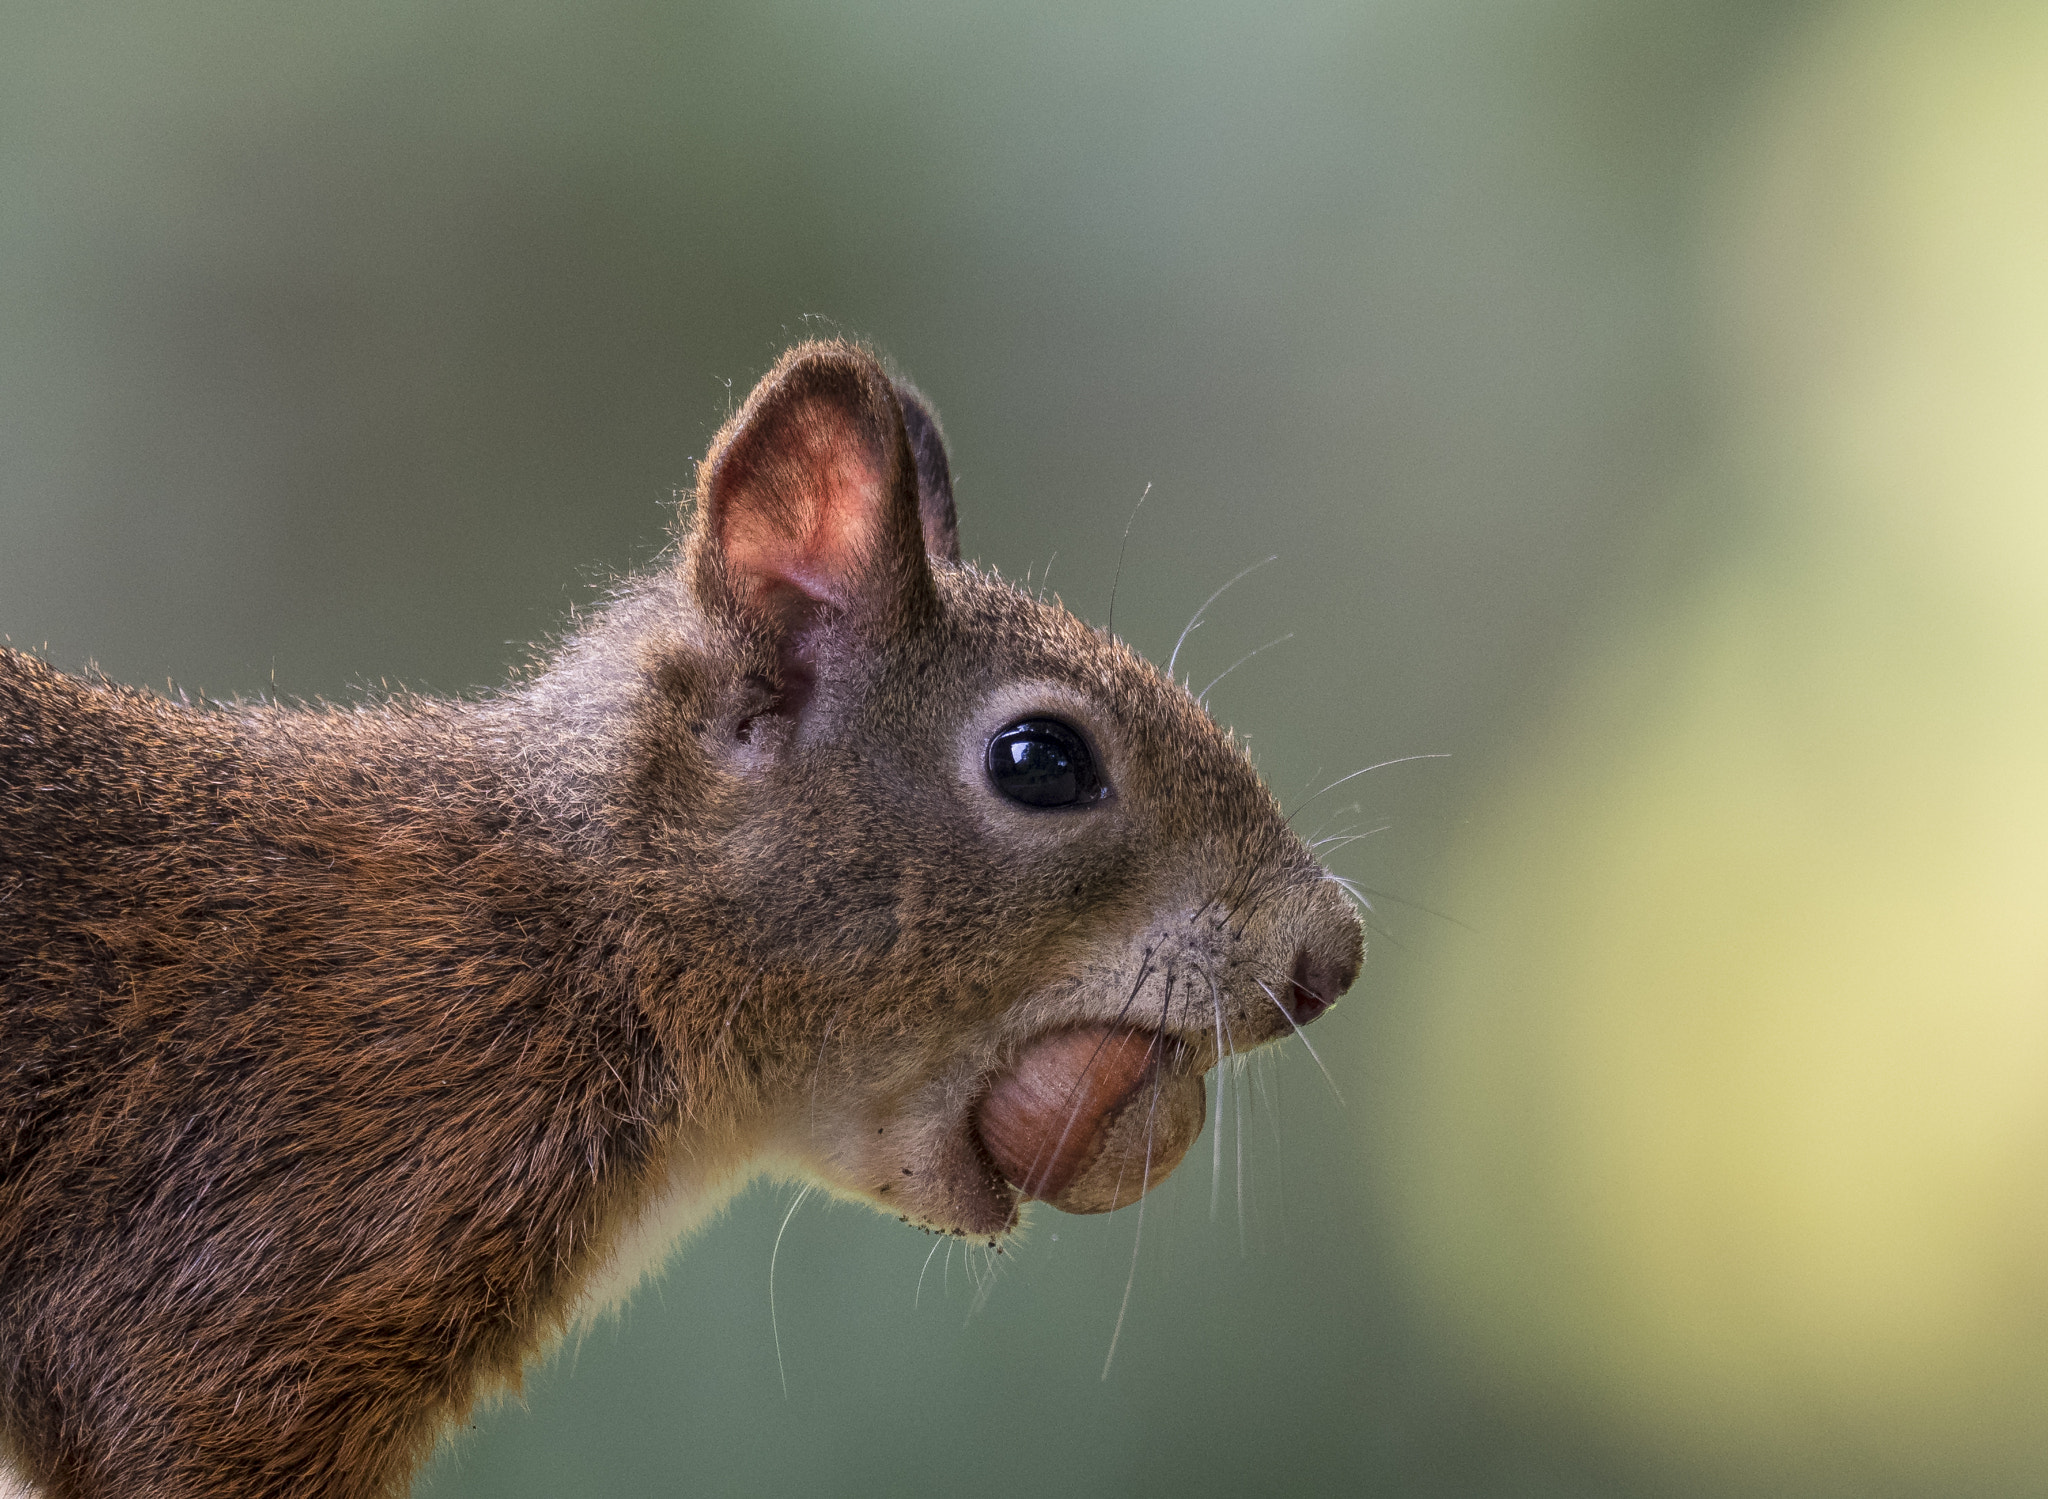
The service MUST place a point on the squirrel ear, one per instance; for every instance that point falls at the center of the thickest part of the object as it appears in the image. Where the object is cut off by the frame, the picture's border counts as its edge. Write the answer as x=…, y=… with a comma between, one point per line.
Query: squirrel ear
x=809, y=497
x=934, y=474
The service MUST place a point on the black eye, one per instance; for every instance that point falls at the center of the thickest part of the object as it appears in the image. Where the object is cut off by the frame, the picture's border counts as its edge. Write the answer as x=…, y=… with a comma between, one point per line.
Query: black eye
x=1043, y=763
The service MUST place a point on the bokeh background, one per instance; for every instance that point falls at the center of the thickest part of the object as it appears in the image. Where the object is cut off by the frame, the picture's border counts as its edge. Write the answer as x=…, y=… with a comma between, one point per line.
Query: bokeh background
x=1648, y=407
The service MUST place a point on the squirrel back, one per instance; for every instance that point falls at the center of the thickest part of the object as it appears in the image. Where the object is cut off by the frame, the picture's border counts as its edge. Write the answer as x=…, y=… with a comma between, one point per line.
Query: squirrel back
x=348, y=1054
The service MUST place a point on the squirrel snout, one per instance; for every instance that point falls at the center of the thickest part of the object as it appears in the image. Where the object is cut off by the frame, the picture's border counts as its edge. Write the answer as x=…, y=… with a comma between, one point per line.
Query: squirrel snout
x=1316, y=982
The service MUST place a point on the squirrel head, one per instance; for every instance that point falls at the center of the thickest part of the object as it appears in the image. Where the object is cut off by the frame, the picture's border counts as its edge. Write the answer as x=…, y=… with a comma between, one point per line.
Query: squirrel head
x=975, y=893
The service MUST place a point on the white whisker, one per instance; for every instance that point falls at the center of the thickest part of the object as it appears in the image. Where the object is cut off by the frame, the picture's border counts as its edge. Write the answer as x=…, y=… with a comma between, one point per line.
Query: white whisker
x=1109, y=629
x=824, y=1041
x=1202, y=697
x=1129, y=1281
x=973, y=1281
x=1349, y=889
x=1266, y=1082
x=989, y=1267
x=1364, y=897
x=1138, y=1237
x=1397, y=760
x=774, y=1326
x=1237, y=1093
x=1338, y=840
x=1216, y=1124
x=920, y=1274
x=1323, y=826
x=1307, y=1045
x=1212, y=598
x=1074, y=1088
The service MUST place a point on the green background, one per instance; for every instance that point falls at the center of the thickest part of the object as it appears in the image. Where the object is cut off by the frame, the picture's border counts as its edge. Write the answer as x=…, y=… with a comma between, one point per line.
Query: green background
x=353, y=345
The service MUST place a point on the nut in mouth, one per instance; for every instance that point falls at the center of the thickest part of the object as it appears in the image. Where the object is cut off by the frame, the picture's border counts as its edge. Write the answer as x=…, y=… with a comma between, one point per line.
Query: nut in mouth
x=1090, y=1119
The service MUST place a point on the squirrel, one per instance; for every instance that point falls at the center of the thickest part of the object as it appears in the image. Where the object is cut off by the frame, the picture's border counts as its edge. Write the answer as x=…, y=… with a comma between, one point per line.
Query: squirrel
x=350, y=1054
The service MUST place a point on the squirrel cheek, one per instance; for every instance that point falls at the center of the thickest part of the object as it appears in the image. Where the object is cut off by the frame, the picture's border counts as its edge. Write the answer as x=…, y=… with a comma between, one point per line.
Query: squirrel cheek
x=1091, y=1119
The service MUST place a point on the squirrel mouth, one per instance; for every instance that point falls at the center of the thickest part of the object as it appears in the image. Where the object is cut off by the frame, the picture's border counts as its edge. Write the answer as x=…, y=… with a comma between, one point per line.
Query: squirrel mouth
x=1091, y=1119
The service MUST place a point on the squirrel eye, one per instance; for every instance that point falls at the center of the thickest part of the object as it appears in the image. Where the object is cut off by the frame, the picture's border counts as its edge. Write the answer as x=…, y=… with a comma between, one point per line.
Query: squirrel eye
x=1040, y=762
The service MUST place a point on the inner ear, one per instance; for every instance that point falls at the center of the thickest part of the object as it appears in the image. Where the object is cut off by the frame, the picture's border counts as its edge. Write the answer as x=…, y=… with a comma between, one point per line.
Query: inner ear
x=808, y=502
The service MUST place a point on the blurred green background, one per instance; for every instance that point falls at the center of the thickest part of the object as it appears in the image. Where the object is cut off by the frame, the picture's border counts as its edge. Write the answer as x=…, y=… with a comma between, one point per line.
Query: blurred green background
x=1646, y=404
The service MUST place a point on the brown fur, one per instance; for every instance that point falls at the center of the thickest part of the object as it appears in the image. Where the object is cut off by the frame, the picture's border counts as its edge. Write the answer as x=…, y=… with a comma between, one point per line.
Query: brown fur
x=343, y=1049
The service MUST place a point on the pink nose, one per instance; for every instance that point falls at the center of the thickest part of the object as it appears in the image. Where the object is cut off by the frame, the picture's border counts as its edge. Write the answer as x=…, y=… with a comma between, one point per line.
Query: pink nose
x=1315, y=985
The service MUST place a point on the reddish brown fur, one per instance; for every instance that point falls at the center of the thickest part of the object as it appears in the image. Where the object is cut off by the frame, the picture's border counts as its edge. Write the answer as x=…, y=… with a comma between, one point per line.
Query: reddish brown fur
x=339, y=1047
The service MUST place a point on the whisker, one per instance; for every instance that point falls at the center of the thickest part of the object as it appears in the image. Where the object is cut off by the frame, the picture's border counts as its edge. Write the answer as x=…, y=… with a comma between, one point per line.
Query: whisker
x=1303, y=1038
x=1237, y=1098
x=1349, y=889
x=1359, y=893
x=1216, y=1125
x=1237, y=1068
x=1366, y=909
x=824, y=1042
x=1238, y=895
x=1137, y=1237
x=1074, y=1088
x=1253, y=899
x=1397, y=760
x=973, y=1281
x=1202, y=697
x=989, y=1266
x=920, y=1274
x=1339, y=840
x=1158, y=1053
x=774, y=1326
x=1323, y=826
x=1110, y=628
x=1266, y=1083
x=1212, y=598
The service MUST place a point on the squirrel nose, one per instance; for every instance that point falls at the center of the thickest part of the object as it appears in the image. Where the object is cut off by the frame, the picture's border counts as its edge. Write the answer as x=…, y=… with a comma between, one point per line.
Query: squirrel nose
x=1315, y=984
